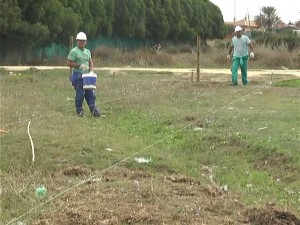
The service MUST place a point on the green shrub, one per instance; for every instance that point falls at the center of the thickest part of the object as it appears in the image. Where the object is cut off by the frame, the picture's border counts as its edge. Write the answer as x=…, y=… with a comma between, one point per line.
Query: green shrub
x=277, y=40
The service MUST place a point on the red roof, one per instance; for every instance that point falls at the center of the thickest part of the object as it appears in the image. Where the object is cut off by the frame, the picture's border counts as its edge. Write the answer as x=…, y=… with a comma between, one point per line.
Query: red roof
x=244, y=23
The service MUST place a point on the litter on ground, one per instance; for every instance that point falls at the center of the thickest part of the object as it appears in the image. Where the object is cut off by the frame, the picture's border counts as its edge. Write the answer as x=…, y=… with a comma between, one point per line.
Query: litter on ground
x=142, y=160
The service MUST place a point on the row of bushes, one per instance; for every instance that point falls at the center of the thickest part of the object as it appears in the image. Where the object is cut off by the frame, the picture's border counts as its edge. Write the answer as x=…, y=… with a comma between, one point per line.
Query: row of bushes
x=277, y=40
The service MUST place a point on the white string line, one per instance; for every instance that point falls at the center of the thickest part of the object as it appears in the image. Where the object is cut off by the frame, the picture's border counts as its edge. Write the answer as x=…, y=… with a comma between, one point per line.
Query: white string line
x=134, y=154
x=68, y=110
x=31, y=142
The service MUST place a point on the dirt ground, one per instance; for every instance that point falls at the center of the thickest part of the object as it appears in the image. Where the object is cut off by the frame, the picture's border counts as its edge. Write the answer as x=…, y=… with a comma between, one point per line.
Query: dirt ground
x=174, y=70
x=123, y=196
x=206, y=75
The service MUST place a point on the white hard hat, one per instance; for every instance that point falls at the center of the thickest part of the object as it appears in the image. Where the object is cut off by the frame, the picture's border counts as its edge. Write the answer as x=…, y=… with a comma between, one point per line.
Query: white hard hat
x=81, y=36
x=238, y=28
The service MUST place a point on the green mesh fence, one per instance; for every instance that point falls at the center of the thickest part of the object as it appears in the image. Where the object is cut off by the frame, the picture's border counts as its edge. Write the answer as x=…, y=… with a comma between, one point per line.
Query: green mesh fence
x=57, y=52
x=61, y=51
x=129, y=43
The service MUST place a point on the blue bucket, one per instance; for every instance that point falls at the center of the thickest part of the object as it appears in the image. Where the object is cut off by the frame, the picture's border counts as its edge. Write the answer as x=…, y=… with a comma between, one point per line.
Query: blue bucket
x=89, y=80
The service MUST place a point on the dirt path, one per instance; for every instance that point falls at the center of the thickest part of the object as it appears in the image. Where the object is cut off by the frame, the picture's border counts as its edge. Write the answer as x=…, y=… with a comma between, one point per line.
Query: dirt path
x=173, y=70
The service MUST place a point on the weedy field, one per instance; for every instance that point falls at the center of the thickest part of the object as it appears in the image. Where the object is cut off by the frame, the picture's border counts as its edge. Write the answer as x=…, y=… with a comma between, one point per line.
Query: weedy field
x=165, y=151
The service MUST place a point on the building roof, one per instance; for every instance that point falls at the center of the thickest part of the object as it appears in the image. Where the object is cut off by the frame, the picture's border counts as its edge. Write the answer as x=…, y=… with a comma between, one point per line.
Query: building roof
x=244, y=23
x=290, y=26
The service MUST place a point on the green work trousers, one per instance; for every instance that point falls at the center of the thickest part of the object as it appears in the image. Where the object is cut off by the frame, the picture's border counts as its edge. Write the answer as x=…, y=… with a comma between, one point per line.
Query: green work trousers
x=236, y=63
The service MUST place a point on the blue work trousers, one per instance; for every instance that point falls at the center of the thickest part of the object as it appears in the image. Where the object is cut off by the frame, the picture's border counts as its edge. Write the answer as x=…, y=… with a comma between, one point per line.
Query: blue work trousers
x=81, y=94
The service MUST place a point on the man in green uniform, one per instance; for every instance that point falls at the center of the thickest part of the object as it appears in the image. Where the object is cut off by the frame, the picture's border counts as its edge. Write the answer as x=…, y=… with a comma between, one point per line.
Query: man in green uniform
x=239, y=45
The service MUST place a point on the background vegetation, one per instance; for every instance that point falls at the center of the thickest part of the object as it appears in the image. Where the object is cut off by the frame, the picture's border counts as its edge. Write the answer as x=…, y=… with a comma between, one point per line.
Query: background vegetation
x=31, y=23
x=38, y=32
x=185, y=56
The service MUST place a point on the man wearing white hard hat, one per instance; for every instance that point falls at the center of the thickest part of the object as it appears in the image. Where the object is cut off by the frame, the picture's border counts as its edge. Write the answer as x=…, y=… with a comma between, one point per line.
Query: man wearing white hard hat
x=80, y=60
x=239, y=45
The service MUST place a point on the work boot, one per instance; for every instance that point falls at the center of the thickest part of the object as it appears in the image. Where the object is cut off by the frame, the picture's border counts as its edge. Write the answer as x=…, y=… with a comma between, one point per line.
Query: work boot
x=80, y=113
x=96, y=112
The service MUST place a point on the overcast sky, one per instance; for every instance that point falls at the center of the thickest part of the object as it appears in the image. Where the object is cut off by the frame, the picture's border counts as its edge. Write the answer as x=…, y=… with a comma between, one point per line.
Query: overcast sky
x=287, y=10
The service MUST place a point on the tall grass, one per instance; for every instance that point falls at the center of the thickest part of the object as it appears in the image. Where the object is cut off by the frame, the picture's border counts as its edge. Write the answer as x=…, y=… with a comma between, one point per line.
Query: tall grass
x=212, y=56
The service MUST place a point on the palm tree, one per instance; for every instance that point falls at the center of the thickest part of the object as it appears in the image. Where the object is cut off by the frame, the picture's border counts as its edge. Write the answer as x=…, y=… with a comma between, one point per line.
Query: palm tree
x=268, y=18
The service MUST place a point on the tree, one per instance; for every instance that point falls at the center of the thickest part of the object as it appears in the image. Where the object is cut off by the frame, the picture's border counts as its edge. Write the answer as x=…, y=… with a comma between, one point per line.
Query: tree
x=156, y=20
x=174, y=17
x=97, y=11
x=30, y=35
x=187, y=32
x=121, y=20
x=29, y=31
x=38, y=23
x=107, y=24
x=136, y=18
x=268, y=18
x=199, y=19
x=216, y=22
x=10, y=16
x=86, y=19
x=53, y=18
x=69, y=26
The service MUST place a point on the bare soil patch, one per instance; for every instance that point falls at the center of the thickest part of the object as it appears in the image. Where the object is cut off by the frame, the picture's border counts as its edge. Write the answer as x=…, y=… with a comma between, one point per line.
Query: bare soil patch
x=123, y=196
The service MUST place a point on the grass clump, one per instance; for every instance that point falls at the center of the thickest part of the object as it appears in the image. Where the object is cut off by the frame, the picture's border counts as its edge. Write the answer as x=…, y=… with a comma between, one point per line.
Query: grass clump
x=289, y=83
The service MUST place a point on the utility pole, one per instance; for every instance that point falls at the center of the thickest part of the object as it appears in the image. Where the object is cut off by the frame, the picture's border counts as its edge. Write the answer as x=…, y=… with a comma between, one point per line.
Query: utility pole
x=234, y=18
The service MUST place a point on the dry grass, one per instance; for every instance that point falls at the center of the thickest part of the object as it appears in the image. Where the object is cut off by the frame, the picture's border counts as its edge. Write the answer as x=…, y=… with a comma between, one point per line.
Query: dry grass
x=142, y=108
x=214, y=56
x=123, y=196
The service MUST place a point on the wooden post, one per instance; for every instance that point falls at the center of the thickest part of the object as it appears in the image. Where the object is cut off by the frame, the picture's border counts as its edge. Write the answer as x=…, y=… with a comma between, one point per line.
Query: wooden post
x=198, y=58
x=71, y=46
x=71, y=42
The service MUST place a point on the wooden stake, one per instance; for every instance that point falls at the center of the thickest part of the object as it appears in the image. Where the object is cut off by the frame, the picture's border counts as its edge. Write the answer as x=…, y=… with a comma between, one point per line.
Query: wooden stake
x=198, y=58
x=71, y=46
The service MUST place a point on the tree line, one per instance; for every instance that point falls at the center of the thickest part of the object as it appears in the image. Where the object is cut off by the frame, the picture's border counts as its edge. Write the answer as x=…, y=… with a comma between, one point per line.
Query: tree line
x=37, y=23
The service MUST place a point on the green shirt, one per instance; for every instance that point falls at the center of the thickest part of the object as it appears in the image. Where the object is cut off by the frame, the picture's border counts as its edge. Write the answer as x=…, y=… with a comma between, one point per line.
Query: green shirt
x=80, y=56
x=240, y=45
